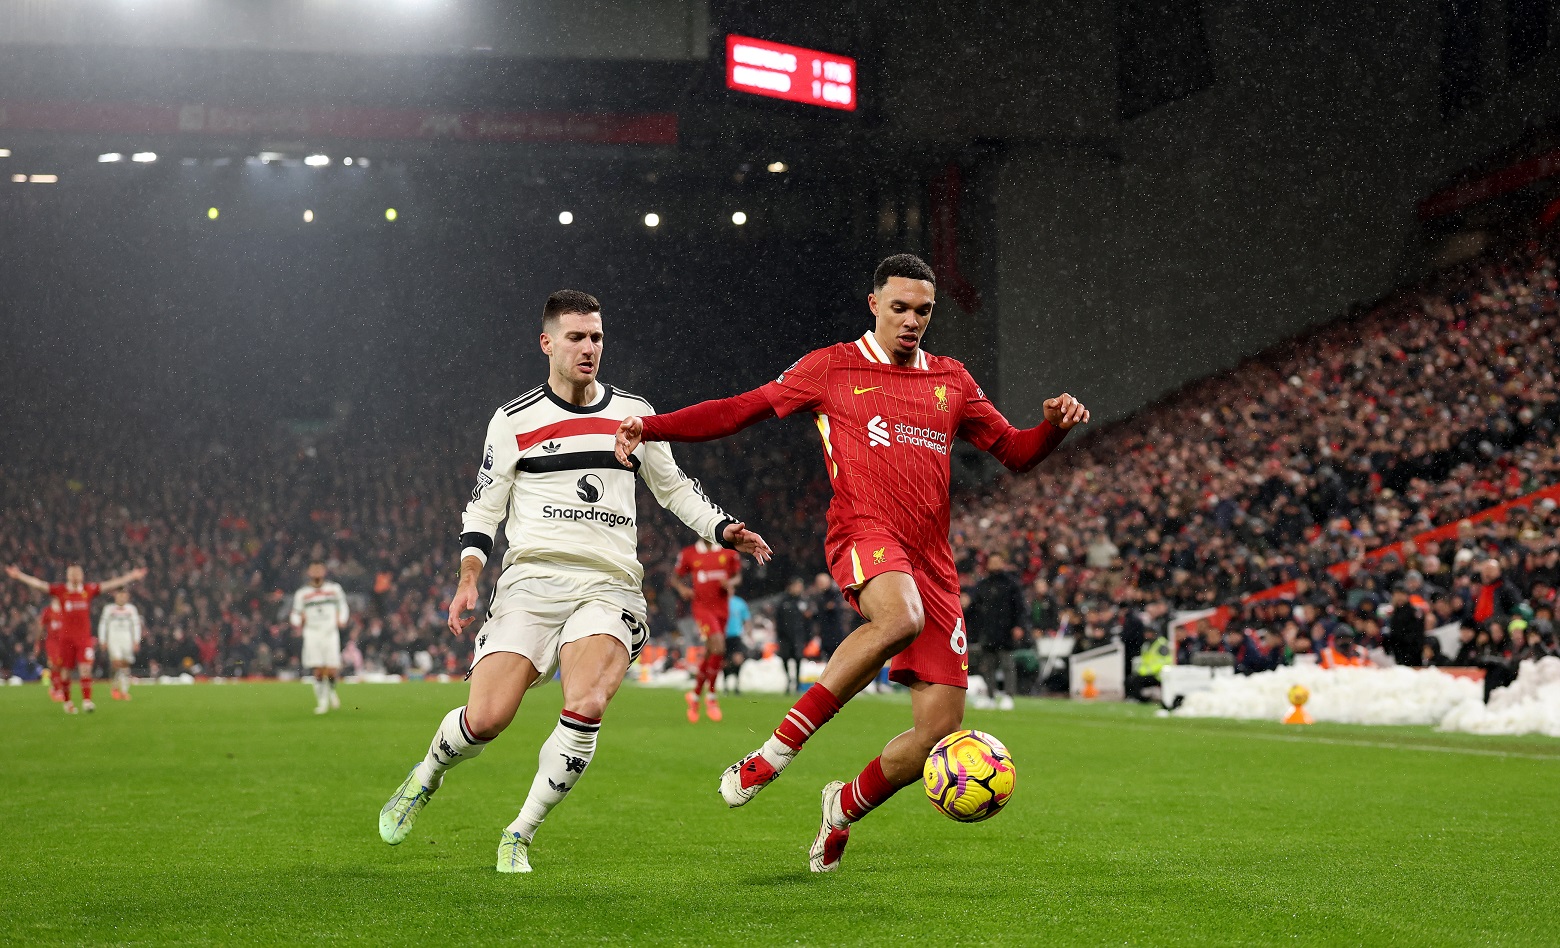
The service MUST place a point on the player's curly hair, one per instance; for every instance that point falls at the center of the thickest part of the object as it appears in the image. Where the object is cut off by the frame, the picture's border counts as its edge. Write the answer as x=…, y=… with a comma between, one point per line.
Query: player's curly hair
x=906, y=265
x=567, y=301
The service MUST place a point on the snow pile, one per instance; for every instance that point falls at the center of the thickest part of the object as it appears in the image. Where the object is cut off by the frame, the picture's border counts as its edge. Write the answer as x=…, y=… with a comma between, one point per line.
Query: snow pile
x=1529, y=704
x=1342, y=695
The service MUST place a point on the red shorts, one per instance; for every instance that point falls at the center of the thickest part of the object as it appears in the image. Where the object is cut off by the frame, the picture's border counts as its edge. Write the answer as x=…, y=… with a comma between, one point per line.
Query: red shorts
x=69, y=651
x=711, y=620
x=940, y=654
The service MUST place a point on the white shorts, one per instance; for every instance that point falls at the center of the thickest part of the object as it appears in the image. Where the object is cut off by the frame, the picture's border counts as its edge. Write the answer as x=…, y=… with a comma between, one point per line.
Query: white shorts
x=322, y=649
x=120, y=650
x=536, y=614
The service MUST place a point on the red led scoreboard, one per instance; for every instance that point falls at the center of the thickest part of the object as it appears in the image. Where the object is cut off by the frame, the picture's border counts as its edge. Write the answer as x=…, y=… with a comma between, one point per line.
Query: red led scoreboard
x=790, y=72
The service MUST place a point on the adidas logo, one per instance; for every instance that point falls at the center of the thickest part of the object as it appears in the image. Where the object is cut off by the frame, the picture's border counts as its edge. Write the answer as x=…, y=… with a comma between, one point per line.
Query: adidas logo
x=551, y=447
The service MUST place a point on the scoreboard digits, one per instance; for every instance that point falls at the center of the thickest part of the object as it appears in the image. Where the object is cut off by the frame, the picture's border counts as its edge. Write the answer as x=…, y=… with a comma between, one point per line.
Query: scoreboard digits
x=790, y=72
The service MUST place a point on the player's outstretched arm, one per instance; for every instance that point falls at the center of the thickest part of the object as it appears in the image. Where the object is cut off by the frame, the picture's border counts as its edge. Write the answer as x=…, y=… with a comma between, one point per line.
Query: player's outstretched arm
x=26, y=580
x=686, y=500
x=134, y=576
x=706, y=421
x=1020, y=450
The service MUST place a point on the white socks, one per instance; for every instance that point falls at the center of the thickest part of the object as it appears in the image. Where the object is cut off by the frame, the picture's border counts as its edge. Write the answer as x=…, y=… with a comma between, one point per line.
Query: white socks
x=122, y=680
x=560, y=765
x=452, y=743
x=321, y=692
x=778, y=753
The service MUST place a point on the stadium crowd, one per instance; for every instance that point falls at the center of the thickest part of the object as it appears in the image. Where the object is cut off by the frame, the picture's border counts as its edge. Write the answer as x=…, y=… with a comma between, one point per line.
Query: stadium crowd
x=1424, y=411
x=1361, y=435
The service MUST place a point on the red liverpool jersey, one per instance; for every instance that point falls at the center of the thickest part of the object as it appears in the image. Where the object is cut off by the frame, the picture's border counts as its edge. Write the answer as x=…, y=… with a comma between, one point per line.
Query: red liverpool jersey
x=887, y=431
x=708, y=569
x=54, y=620
x=77, y=607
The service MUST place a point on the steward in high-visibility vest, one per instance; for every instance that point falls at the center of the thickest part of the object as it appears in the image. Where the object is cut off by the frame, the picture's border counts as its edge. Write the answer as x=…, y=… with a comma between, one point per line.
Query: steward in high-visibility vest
x=1343, y=652
x=1156, y=653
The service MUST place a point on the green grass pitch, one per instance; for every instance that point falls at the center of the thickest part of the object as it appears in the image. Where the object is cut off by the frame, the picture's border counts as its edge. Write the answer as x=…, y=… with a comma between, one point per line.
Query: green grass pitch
x=230, y=814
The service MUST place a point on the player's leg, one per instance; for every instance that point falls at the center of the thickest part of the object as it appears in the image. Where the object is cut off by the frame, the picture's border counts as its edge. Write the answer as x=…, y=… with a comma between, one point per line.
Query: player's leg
x=892, y=606
x=84, y=672
x=592, y=669
x=714, y=662
x=937, y=711
x=498, y=683
x=62, y=675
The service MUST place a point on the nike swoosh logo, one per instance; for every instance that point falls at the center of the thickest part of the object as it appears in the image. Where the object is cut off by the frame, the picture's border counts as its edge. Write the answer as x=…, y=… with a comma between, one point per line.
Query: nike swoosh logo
x=863, y=391
x=964, y=666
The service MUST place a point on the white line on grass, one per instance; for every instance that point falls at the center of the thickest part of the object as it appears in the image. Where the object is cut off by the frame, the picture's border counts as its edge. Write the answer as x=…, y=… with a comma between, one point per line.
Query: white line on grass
x=1338, y=741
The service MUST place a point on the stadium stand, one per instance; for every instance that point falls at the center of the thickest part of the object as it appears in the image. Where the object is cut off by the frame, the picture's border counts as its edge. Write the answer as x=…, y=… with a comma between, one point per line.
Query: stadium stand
x=1421, y=413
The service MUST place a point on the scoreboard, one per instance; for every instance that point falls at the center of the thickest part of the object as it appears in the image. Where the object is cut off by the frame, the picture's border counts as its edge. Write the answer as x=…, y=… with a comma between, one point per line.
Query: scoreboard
x=790, y=72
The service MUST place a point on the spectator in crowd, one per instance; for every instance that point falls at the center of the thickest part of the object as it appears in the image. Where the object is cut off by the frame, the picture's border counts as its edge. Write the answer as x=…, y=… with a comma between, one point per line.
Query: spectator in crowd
x=1405, y=634
x=828, y=609
x=995, y=623
x=793, y=627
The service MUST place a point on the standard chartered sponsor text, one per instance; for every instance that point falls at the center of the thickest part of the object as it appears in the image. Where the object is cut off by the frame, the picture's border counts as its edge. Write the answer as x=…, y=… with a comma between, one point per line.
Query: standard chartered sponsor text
x=593, y=514
x=921, y=437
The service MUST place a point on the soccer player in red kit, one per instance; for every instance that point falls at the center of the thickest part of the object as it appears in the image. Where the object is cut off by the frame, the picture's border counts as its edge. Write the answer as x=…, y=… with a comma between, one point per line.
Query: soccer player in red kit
x=888, y=414
x=75, y=597
x=52, y=619
x=713, y=573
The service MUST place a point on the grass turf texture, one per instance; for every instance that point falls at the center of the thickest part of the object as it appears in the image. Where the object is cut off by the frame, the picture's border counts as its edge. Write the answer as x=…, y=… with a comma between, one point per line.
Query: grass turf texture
x=232, y=814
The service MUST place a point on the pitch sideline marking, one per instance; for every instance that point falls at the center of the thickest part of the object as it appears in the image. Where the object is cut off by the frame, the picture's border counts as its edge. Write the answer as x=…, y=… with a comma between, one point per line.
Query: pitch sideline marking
x=1345, y=742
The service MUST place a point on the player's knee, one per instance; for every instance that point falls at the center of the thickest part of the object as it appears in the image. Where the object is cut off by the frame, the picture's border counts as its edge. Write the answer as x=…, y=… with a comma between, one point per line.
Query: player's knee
x=901, y=628
x=591, y=704
x=936, y=727
x=487, y=723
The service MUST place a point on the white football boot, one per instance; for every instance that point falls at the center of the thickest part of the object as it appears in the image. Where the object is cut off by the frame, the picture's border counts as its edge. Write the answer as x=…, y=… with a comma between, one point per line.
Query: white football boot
x=829, y=845
x=743, y=779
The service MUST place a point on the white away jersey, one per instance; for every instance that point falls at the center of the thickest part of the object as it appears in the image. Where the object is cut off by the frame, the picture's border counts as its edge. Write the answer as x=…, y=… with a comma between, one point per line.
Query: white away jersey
x=120, y=625
x=549, y=467
x=320, y=610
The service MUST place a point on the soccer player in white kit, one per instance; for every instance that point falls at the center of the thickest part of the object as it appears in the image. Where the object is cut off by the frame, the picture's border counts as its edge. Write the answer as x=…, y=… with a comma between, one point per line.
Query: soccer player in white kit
x=119, y=631
x=569, y=597
x=320, y=610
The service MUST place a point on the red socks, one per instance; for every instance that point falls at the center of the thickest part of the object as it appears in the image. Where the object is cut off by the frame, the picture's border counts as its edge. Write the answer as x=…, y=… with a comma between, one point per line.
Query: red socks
x=812, y=710
x=86, y=688
x=709, y=673
x=866, y=792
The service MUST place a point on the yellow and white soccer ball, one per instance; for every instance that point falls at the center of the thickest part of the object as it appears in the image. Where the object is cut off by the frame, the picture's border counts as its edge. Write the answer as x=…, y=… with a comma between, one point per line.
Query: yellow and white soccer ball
x=969, y=776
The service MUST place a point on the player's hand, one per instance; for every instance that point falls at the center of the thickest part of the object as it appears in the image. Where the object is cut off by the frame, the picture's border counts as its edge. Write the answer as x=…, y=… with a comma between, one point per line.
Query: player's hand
x=745, y=540
x=13, y=572
x=465, y=599
x=138, y=574
x=629, y=434
x=1065, y=412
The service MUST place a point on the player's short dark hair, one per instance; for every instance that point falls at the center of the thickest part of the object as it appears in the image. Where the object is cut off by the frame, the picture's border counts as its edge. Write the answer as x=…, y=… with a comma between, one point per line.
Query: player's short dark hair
x=567, y=301
x=906, y=265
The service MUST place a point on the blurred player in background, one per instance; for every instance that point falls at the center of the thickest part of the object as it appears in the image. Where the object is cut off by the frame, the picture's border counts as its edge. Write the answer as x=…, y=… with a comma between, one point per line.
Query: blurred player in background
x=888, y=414
x=75, y=650
x=51, y=624
x=570, y=596
x=320, y=611
x=793, y=629
x=737, y=620
x=713, y=573
x=119, y=632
